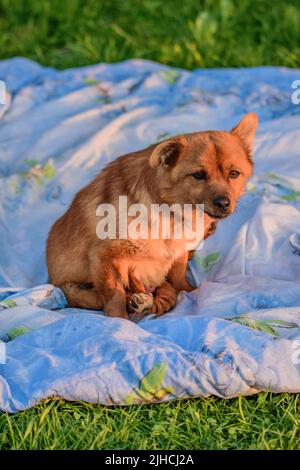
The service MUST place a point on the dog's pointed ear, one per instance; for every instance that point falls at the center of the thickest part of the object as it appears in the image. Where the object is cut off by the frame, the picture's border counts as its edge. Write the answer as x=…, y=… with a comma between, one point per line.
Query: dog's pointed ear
x=246, y=130
x=167, y=153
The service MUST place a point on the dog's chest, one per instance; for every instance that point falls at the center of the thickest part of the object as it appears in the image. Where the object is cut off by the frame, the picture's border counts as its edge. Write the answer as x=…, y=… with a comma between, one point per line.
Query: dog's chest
x=153, y=263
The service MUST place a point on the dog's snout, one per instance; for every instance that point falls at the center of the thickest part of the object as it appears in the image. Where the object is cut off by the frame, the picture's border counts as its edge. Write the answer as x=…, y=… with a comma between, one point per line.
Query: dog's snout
x=222, y=202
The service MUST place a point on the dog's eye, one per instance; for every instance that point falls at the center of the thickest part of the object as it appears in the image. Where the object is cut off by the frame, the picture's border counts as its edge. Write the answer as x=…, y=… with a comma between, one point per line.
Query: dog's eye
x=234, y=174
x=199, y=175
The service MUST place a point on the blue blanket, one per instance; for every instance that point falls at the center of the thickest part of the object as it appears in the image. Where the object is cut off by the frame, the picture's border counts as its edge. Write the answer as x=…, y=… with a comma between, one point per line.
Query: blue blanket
x=238, y=333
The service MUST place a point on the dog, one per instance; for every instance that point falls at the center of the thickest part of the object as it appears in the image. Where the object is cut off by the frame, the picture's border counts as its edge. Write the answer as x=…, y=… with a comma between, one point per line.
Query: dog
x=124, y=276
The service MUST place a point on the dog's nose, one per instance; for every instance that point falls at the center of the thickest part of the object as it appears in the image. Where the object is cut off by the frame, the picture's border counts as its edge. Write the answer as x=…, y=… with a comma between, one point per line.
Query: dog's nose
x=222, y=203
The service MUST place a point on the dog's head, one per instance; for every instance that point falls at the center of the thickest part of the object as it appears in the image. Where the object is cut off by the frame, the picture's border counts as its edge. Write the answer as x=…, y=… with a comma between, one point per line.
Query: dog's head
x=209, y=168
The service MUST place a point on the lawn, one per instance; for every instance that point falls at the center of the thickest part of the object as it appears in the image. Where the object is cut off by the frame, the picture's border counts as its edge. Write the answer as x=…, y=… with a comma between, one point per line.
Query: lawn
x=262, y=422
x=186, y=34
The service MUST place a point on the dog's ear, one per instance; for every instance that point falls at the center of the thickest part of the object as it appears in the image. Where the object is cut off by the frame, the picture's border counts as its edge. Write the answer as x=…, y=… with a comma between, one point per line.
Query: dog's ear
x=246, y=130
x=167, y=153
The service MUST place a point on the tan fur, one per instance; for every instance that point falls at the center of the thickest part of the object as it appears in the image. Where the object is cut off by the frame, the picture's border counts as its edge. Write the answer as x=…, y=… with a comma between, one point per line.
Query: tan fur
x=98, y=274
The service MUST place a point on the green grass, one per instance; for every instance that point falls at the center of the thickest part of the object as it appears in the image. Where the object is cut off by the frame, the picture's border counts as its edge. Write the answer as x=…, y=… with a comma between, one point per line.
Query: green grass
x=265, y=421
x=188, y=34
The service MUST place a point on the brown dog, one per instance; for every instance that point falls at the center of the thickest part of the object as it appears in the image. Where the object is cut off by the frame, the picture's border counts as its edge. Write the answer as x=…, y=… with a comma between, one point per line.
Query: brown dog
x=116, y=275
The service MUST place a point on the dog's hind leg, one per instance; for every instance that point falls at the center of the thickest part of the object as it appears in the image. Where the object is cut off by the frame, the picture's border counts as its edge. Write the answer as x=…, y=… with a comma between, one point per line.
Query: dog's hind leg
x=108, y=281
x=79, y=296
x=82, y=296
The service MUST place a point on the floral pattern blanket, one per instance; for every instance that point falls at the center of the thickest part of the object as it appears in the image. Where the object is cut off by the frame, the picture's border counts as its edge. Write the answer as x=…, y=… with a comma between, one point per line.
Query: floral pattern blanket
x=239, y=331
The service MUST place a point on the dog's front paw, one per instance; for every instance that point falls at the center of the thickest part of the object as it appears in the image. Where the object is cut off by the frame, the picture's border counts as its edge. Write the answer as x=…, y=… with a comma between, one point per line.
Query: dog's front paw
x=140, y=303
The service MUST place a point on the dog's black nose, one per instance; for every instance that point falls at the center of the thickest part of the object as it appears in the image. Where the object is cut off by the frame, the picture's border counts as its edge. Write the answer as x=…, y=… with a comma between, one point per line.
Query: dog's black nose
x=222, y=203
